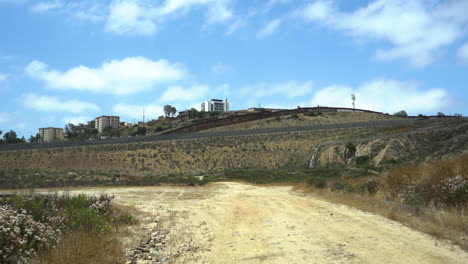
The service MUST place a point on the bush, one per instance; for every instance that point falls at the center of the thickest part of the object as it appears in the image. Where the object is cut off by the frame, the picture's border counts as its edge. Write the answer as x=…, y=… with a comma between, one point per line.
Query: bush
x=32, y=222
x=362, y=161
x=339, y=186
x=401, y=113
x=350, y=150
x=452, y=192
x=21, y=236
x=442, y=183
x=372, y=186
x=313, y=113
x=318, y=183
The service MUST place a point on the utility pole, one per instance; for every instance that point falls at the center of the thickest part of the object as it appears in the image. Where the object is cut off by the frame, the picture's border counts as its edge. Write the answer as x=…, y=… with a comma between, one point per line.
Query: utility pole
x=143, y=115
x=353, y=97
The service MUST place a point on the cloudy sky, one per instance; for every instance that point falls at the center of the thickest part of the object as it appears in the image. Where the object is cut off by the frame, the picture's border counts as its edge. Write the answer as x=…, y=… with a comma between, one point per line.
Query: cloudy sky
x=70, y=61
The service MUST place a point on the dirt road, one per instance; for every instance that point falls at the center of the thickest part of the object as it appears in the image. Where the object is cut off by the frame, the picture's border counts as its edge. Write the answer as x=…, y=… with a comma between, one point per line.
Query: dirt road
x=240, y=223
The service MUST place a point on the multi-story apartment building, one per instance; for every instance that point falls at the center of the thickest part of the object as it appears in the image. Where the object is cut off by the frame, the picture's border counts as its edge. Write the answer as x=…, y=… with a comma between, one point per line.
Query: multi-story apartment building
x=215, y=105
x=49, y=134
x=106, y=121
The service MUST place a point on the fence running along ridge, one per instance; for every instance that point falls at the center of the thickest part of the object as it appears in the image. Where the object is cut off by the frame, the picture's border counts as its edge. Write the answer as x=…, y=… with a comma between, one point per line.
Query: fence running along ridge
x=237, y=119
x=142, y=139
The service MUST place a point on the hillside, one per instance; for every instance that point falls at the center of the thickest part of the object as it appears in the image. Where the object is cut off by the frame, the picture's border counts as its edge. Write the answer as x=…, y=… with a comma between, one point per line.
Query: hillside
x=307, y=119
x=172, y=159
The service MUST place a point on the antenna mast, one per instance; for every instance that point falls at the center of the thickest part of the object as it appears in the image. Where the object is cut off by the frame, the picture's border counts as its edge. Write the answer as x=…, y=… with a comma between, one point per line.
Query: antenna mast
x=353, y=97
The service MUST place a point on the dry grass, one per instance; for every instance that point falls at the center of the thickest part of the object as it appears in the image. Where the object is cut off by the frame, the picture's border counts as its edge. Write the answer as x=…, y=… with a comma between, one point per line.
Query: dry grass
x=175, y=157
x=448, y=221
x=85, y=248
x=397, y=181
x=325, y=118
x=450, y=224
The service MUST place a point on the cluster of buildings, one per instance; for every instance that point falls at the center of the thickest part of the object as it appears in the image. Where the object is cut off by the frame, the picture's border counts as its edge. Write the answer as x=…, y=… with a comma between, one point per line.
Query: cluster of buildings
x=49, y=134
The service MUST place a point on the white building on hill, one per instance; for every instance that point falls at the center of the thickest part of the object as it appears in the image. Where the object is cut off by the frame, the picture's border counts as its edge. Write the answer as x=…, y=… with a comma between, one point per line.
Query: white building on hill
x=215, y=105
x=106, y=121
x=49, y=134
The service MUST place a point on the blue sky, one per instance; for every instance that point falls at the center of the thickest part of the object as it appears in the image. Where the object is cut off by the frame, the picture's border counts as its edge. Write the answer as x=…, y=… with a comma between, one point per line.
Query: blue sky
x=70, y=61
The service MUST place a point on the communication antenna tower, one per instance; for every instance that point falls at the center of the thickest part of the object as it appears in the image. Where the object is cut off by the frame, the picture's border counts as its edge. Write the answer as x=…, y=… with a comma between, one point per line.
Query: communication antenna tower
x=143, y=115
x=353, y=97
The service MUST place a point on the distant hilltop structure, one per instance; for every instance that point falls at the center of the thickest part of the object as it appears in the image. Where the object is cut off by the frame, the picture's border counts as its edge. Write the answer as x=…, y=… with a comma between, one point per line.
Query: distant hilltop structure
x=215, y=105
x=104, y=121
x=50, y=134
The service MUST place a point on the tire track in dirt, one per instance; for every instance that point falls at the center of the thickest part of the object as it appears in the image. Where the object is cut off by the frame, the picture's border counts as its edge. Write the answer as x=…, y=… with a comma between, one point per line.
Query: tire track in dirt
x=239, y=223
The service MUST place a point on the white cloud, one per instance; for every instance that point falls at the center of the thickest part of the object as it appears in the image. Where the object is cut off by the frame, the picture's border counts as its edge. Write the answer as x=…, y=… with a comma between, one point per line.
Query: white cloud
x=385, y=96
x=219, y=13
x=235, y=25
x=318, y=10
x=462, y=53
x=54, y=104
x=79, y=10
x=126, y=76
x=135, y=111
x=47, y=6
x=178, y=93
x=130, y=17
x=416, y=30
x=290, y=89
x=77, y=119
x=143, y=18
x=270, y=28
x=3, y=76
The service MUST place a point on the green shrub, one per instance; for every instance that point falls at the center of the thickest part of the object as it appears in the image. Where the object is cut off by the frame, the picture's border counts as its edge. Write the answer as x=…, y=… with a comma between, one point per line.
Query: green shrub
x=338, y=186
x=362, y=161
x=318, y=183
x=294, y=116
x=350, y=150
x=401, y=113
x=313, y=113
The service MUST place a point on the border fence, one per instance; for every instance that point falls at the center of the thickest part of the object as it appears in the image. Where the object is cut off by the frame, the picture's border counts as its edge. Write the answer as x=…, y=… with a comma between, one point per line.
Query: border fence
x=143, y=139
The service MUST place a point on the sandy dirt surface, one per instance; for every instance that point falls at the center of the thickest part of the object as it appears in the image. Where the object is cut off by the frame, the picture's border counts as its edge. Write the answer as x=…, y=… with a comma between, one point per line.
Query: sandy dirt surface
x=241, y=223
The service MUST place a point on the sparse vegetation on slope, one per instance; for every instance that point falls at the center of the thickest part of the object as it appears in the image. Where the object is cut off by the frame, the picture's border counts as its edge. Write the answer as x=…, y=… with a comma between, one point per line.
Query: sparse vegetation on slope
x=172, y=158
x=309, y=118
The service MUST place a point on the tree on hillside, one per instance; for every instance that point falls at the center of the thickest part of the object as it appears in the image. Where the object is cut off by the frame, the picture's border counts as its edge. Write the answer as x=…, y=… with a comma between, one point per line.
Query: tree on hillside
x=440, y=114
x=69, y=131
x=192, y=113
x=11, y=137
x=167, y=110
x=80, y=131
x=140, y=131
x=173, y=111
x=401, y=113
x=35, y=138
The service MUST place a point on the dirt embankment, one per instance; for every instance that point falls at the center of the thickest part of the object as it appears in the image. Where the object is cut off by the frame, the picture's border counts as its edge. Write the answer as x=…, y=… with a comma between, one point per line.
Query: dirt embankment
x=240, y=223
x=177, y=156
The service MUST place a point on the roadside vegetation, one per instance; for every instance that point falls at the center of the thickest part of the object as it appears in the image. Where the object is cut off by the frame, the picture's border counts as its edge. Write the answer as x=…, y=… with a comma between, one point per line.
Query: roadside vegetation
x=432, y=198
x=60, y=228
